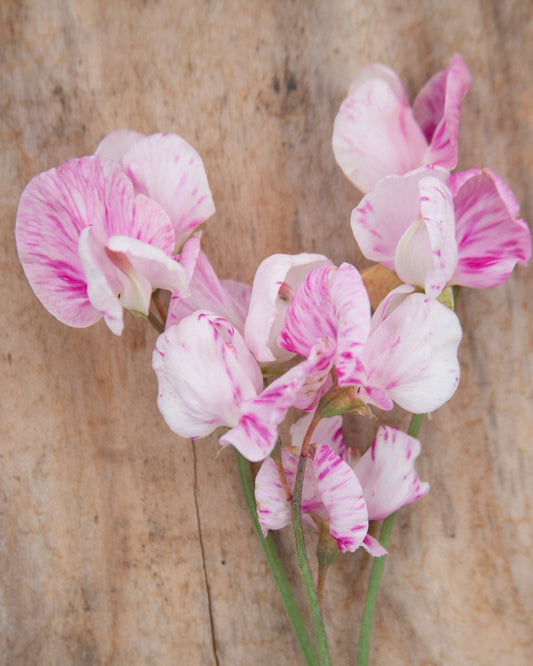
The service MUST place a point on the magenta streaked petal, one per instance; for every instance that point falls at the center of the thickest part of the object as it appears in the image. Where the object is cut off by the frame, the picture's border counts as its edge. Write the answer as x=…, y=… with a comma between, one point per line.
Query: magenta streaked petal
x=386, y=213
x=205, y=374
x=117, y=143
x=437, y=109
x=257, y=431
x=412, y=354
x=54, y=208
x=387, y=473
x=373, y=547
x=167, y=169
x=208, y=292
x=267, y=308
x=273, y=506
x=491, y=239
x=188, y=257
x=426, y=254
x=375, y=133
x=342, y=497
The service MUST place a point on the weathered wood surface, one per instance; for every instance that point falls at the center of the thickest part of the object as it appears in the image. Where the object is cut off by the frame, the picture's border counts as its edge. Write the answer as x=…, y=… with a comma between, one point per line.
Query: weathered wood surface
x=122, y=544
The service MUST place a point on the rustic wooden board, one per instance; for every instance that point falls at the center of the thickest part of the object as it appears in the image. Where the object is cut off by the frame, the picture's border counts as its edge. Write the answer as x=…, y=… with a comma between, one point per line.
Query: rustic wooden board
x=121, y=543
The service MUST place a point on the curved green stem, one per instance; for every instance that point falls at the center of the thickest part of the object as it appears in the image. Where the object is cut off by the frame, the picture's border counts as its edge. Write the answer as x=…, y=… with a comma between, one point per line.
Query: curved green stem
x=377, y=570
x=301, y=555
x=278, y=572
x=159, y=327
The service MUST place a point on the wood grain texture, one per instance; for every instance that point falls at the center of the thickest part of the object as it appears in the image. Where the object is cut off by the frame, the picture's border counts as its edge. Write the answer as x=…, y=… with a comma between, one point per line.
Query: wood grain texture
x=121, y=543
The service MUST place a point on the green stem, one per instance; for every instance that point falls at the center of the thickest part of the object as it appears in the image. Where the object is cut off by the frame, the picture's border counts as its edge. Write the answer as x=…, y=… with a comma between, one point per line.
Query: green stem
x=301, y=555
x=159, y=327
x=278, y=572
x=377, y=571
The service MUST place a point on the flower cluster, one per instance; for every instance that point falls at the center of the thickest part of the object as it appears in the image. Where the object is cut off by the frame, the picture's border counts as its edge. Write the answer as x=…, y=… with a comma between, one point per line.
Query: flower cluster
x=100, y=233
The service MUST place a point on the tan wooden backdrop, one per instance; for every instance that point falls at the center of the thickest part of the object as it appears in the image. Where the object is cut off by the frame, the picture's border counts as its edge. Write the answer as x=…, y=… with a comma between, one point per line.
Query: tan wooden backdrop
x=121, y=543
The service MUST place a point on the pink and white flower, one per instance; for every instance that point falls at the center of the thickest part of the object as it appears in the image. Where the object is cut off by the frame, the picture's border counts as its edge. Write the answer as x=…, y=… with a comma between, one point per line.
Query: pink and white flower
x=406, y=353
x=90, y=247
x=377, y=133
x=334, y=492
x=208, y=378
x=411, y=225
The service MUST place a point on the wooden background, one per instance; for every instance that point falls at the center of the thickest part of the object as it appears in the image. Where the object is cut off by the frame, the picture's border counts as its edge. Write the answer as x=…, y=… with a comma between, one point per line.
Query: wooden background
x=121, y=543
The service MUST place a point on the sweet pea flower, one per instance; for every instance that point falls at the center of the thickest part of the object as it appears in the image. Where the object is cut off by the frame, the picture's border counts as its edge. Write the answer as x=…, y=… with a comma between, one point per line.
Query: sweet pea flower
x=167, y=169
x=437, y=230
x=275, y=281
x=90, y=246
x=208, y=378
x=407, y=352
x=335, y=492
x=377, y=133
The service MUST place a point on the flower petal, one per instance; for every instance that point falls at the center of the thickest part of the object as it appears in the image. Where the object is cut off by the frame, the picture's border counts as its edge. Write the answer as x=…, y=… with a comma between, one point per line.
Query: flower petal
x=117, y=143
x=491, y=239
x=168, y=170
x=437, y=108
x=342, y=496
x=375, y=133
x=268, y=307
x=387, y=473
x=386, y=213
x=328, y=431
x=273, y=506
x=412, y=354
x=205, y=374
x=426, y=254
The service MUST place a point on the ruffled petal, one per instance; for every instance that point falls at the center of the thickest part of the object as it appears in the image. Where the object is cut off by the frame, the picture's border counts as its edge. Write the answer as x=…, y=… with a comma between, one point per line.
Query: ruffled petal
x=385, y=214
x=387, y=473
x=268, y=305
x=117, y=143
x=491, y=239
x=342, y=496
x=208, y=292
x=437, y=108
x=53, y=210
x=412, y=354
x=205, y=374
x=167, y=169
x=375, y=133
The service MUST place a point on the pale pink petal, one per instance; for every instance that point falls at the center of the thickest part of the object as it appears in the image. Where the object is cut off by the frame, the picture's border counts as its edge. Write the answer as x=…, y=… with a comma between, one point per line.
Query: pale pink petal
x=375, y=133
x=117, y=143
x=205, y=374
x=387, y=473
x=412, y=354
x=386, y=213
x=491, y=239
x=437, y=108
x=268, y=306
x=257, y=431
x=104, y=281
x=189, y=255
x=207, y=292
x=426, y=254
x=328, y=431
x=54, y=208
x=342, y=496
x=273, y=506
x=145, y=268
x=167, y=169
